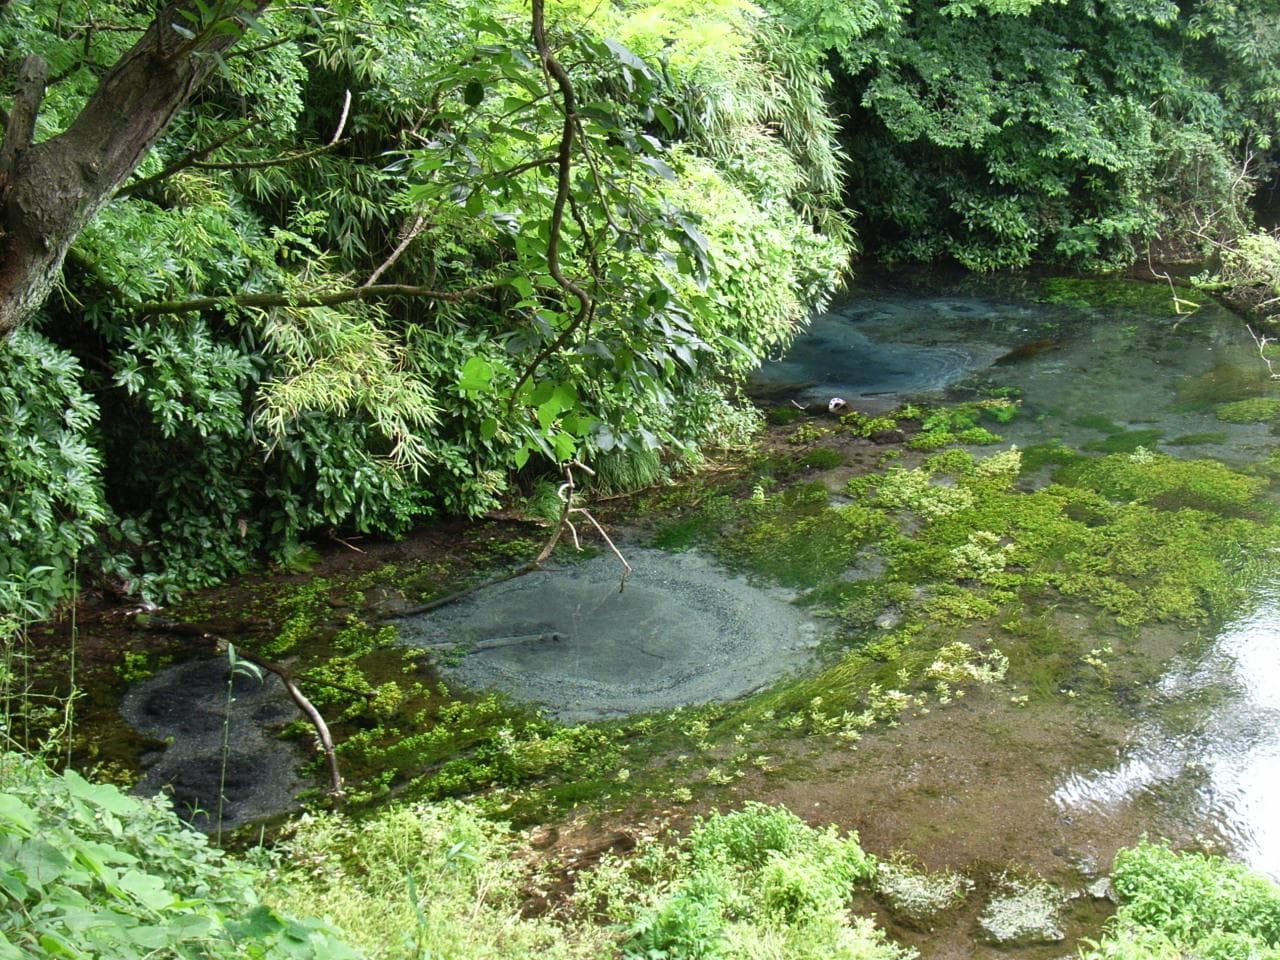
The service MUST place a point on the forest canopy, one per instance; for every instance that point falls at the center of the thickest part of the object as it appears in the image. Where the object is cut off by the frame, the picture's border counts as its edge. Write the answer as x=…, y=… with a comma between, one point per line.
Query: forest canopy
x=198, y=392
x=387, y=261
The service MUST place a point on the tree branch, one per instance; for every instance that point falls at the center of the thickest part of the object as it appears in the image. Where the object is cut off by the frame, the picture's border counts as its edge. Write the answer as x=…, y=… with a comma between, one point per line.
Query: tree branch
x=563, y=523
x=377, y=291
x=191, y=159
x=20, y=128
x=564, y=165
x=410, y=235
x=334, y=141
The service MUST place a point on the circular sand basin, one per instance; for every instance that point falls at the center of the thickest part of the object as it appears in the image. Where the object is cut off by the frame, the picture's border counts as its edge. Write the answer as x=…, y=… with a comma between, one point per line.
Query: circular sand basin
x=683, y=631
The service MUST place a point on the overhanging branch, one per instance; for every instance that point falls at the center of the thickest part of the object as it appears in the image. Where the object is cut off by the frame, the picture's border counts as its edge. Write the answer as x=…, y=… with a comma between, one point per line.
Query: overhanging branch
x=377, y=291
x=190, y=160
x=564, y=167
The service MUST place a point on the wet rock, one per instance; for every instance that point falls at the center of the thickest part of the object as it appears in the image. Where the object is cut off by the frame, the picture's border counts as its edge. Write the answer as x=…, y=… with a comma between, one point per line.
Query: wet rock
x=1101, y=889
x=915, y=897
x=1023, y=912
x=888, y=620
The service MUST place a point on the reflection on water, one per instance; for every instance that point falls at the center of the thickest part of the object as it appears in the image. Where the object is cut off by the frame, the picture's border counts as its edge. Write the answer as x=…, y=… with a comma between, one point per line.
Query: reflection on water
x=1206, y=757
x=1224, y=762
x=1132, y=367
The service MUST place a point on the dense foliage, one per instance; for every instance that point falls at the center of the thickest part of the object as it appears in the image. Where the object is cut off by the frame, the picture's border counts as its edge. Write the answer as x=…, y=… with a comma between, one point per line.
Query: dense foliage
x=700, y=225
x=86, y=871
x=235, y=383
x=436, y=880
x=995, y=132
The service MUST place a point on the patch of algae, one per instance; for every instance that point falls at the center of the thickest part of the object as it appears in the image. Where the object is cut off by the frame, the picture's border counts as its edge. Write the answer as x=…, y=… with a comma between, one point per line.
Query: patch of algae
x=955, y=555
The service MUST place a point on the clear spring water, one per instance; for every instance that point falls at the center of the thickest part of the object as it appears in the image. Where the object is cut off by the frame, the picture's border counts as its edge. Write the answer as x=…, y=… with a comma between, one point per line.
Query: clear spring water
x=1205, y=750
x=1141, y=366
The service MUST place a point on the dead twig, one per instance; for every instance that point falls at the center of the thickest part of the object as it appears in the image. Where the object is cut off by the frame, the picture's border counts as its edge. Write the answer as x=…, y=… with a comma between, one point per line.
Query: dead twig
x=1262, y=343
x=563, y=523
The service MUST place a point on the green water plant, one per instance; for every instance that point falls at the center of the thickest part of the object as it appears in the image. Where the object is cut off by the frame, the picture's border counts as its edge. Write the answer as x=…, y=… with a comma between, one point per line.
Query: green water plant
x=237, y=666
x=755, y=877
x=1188, y=905
x=1252, y=410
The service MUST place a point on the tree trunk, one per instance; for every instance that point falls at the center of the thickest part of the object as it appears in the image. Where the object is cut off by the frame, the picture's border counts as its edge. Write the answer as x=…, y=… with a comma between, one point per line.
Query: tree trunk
x=50, y=191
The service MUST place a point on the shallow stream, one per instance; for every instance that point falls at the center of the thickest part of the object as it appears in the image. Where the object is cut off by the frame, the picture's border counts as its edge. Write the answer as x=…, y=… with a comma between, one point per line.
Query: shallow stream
x=1176, y=735
x=1102, y=367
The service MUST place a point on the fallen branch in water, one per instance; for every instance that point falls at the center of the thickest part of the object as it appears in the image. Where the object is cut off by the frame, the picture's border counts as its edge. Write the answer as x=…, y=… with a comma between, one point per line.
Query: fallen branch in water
x=316, y=719
x=563, y=522
x=1262, y=343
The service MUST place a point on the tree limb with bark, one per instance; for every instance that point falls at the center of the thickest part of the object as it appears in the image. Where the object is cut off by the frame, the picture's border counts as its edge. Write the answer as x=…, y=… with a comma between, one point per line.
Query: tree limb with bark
x=50, y=191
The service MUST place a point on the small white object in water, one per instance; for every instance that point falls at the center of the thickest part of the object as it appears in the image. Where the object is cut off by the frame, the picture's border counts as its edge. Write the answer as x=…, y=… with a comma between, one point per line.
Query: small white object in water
x=836, y=404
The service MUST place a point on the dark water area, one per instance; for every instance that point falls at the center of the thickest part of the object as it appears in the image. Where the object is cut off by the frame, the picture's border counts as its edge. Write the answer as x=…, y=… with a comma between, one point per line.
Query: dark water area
x=1089, y=359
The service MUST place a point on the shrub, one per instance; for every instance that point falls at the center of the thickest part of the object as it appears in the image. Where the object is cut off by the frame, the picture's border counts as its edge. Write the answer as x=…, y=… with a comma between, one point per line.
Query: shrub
x=1175, y=905
x=90, y=872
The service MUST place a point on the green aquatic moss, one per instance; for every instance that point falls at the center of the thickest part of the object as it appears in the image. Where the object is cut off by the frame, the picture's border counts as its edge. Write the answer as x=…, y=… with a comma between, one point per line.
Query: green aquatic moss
x=1253, y=410
x=1094, y=421
x=821, y=458
x=1197, y=439
x=798, y=539
x=1168, y=483
x=1125, y=441
x=1153, y=298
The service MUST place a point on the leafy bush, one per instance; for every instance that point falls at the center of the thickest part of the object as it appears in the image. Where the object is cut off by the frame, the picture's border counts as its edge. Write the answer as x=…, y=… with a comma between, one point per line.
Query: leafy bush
x=1189, y=904
x=995, y=133
x=706, y=223
x=760, y=875
x=51, y=496
x=423, y=881
x=89, y=872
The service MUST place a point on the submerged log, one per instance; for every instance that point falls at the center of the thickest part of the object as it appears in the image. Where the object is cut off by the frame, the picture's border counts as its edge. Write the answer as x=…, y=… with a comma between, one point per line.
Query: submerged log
x=1031, y=349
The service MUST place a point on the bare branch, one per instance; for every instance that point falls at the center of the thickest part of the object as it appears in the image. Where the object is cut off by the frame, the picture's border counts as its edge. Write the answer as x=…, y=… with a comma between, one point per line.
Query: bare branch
x=191, y=159
x=1262, y=343
x=317, y=721
x=409, y=237
x=563, y=523
x=334, y=141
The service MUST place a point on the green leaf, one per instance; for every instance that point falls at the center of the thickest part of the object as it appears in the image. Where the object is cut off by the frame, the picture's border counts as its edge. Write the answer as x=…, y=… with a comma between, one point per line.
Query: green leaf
x=565, y=446
x=547, y=413
x=477, y=374
x=543, y=392
x=488, y=428
x=522, y=286
x=566, y=395
x=10, y=883
x=147, y=889
x=101, y=795
x=22, y=819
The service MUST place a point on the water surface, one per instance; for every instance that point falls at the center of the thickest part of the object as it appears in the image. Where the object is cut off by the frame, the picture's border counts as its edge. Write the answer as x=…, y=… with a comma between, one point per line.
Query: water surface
x=1201, y=756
